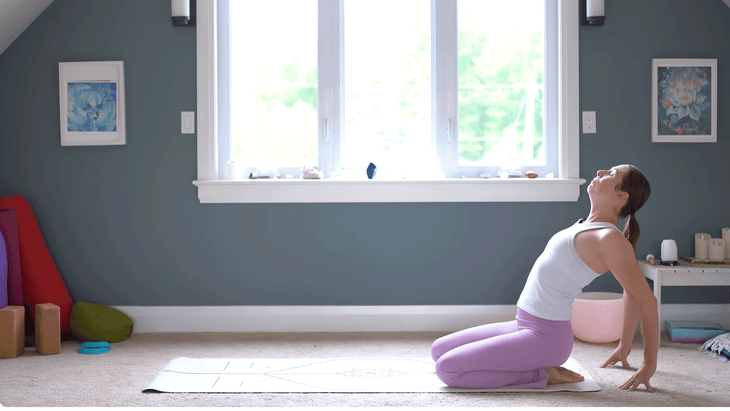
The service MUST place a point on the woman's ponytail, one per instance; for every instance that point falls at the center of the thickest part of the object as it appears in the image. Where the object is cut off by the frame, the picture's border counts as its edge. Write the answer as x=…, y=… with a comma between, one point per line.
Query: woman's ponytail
x=632, y=231
x=637, y=186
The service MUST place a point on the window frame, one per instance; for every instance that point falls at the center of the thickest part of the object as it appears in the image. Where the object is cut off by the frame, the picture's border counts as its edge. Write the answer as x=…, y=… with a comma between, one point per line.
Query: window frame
x=212, y=189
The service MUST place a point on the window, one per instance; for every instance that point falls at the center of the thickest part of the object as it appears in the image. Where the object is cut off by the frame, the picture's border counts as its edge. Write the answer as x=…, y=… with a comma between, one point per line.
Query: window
x=273, y=82
x=427, y=91
x=387, y=85
x=507, y=70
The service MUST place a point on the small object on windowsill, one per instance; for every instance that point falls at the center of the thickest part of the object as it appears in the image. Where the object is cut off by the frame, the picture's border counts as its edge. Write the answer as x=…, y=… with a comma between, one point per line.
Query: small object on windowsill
x=233, y=171
x=270, y=173
x=251, y=176
x=310, y=173
x=371, y=171
x=693, y=260
x=509, y=172
x=531, y=174
x=482, y=175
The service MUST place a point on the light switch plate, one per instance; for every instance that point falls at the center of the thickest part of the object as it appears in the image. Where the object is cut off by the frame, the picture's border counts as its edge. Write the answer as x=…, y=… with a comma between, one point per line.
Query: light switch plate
x=187, y=125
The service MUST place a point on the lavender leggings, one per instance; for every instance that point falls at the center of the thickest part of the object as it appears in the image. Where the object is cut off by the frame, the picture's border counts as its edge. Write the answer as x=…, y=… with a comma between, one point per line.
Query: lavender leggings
x=511, y=354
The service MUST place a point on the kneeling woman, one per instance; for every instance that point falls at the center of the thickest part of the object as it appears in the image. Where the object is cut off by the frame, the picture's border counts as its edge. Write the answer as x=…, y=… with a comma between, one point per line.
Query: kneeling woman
x=527, y=352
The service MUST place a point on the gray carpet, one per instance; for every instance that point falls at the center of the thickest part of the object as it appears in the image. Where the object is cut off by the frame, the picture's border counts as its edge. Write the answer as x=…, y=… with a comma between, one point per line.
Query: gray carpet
x=685, y=375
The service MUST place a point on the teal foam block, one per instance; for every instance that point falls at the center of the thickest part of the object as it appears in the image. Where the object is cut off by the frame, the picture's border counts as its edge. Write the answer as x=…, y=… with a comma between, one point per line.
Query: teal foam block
x=693, y=331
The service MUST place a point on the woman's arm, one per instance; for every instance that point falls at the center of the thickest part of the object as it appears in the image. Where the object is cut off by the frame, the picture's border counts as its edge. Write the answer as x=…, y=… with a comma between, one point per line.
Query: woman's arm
x=631, y=319
x=619, y=256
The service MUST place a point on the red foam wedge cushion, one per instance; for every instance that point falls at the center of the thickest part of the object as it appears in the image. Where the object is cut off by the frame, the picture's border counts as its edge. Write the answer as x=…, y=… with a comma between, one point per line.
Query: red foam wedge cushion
x=42, y=283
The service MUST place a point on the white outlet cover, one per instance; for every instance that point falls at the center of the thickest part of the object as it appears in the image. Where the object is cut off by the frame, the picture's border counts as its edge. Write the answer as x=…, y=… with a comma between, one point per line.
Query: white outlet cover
x=589, y=122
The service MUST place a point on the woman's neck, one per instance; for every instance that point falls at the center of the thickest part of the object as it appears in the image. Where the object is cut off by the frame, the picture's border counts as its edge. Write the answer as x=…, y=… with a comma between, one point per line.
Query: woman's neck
x=601, y=217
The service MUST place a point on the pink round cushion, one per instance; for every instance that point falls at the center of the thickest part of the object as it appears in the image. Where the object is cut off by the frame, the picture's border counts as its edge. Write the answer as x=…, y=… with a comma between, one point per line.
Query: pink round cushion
x=597, y=317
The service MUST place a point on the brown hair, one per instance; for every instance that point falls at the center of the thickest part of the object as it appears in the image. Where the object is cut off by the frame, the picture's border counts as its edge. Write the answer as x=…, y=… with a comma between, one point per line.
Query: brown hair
x=637, y=186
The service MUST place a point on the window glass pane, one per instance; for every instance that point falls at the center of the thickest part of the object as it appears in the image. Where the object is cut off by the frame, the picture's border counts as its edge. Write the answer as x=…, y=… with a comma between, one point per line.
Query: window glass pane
x=387, y=83
x=501, y=113
x=274, y=82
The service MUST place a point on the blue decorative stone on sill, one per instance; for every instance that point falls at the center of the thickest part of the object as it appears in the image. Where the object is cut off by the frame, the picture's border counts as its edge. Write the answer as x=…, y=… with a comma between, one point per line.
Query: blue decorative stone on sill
x=372, y=170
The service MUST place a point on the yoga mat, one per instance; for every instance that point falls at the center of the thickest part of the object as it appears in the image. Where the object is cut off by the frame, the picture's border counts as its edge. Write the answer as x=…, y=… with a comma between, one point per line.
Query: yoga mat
x=221, y=375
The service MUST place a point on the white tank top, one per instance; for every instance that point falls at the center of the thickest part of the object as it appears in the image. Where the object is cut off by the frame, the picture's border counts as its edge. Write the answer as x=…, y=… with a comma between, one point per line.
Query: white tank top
x=558, y=276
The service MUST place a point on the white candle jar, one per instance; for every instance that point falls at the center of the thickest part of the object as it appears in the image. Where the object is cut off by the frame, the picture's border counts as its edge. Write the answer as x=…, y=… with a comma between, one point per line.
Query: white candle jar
x=717, y=250
x=702, y=246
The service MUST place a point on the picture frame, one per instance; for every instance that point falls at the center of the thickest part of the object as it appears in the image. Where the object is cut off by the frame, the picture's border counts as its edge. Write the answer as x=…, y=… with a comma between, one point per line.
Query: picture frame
x=684, y=101
x=92, y=103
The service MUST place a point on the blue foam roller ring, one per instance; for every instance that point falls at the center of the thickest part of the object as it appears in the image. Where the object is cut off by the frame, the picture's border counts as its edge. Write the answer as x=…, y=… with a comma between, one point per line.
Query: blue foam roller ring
x=97, y=344
x=101, y=350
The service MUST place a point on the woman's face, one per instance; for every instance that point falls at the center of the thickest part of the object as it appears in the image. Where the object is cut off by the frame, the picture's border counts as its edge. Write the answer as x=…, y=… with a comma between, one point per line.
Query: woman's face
x=606, y=181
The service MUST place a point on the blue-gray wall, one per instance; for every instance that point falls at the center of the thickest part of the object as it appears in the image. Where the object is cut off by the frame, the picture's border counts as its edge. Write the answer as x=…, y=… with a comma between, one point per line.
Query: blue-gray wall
x=125, y=227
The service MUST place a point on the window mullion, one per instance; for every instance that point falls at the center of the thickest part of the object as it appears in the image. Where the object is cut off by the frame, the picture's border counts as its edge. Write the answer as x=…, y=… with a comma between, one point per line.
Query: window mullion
x=330, y=78
x=444, y=85
x=225, y=140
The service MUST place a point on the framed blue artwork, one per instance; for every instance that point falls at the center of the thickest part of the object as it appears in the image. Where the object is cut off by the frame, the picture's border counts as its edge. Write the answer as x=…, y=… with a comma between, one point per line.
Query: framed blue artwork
x=91, y=96
x=684, y=101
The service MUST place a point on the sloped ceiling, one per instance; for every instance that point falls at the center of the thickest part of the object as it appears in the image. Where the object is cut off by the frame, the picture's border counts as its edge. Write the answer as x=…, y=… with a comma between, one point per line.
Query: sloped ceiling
x=16, y=16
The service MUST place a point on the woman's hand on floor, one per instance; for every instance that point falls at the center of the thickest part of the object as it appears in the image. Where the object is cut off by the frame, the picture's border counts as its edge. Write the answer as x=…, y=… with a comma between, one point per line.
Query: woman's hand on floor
x=619, y=354
x=640, y=377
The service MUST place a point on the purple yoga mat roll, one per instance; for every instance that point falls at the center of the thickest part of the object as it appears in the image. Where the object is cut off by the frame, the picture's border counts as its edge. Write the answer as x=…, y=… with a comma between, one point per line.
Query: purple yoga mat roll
x=3, y=274
x=14, y=280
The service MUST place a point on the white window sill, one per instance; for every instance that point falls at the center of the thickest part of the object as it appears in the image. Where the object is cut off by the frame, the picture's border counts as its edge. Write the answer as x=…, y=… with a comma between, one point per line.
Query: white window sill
x=447, y=190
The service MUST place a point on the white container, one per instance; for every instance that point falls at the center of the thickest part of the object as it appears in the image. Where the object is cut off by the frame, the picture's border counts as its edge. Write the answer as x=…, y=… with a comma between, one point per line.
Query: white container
x=233, y=171
x=669, y=250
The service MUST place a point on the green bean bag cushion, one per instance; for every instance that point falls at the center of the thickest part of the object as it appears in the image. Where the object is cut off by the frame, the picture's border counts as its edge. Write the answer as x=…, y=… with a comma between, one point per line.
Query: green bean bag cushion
x=94, y=322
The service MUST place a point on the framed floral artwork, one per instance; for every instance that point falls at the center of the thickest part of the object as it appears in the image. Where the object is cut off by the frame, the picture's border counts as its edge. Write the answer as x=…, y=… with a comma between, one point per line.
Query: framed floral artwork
x=91, y=96
x=684, y=101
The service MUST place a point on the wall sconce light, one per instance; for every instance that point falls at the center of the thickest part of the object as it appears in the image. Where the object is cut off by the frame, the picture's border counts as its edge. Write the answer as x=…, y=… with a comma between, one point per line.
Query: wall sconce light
x=592, y=12
x=183, y=13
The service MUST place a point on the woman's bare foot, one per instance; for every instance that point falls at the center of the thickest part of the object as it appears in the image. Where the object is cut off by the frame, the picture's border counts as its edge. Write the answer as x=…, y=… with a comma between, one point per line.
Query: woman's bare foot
x=560, y=375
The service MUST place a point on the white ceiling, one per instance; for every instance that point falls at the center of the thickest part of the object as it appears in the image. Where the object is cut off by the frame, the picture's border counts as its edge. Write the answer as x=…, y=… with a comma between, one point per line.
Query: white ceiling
x=16, y=16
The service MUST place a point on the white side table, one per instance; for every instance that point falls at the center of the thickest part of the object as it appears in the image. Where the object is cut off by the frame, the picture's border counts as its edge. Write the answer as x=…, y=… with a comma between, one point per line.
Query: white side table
x=685, y=274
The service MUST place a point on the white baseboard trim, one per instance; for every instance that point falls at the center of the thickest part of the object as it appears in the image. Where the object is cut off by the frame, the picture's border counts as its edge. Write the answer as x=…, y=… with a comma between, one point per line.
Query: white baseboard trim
x=436, y=318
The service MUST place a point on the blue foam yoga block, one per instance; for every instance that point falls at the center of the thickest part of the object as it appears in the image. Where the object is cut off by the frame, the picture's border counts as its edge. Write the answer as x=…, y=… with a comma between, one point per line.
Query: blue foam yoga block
x=693, y=331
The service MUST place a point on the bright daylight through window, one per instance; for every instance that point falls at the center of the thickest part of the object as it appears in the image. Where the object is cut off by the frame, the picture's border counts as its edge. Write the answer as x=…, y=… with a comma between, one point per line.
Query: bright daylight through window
x=273, y=82
x=435, y=93
x=501, y=88
x=387, y=89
